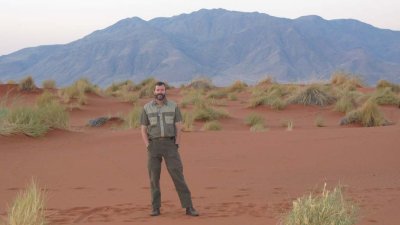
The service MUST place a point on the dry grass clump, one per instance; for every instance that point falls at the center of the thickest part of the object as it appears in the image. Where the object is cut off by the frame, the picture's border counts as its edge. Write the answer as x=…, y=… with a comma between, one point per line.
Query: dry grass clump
x=312, y=95
x=212, y=125
x=146, y=87
x=288, y=123
x=385, y=96
x=28, y=207
x=368, y=115
x=319, y=121
x=49, y=84
x=273, y=96
x=115, y=88
x=77, y=91
x=11, y=82
x=132, y=120
x=346, y=81
x=346, y=101
x=237, y=86
x=218, y=93
x=268, y=80
x=202, y=83
x=33, y=121
x=232, y=96
x=327, y=208
x=45, y=98
x=27, y=84
x=382, y=84
x=253, y=119
x=188, y=120
x=193, y=97
x=204, y=112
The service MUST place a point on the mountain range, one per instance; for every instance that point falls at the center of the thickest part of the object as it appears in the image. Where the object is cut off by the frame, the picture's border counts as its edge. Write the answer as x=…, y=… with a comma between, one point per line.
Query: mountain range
x=220, y=44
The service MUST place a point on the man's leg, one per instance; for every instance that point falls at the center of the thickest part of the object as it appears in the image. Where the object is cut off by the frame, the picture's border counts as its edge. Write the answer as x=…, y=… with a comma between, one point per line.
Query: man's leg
x=175, y=169
x=154, y=168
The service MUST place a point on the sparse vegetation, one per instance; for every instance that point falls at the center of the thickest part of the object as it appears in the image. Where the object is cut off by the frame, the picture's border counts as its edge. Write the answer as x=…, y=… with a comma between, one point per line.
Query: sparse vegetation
x=254, y=119
x=49, y=84
x=288, y=123
x=218, y=93
x=385, y=96
x=202, y=83
x=212, y=125
x=319, y=121
x=346, y=81
x=146, y=87
x=28, y=207
x=367, y=115
x=206, y=113
x=382, y=84
x=237, y=86
x=312, y=95
x=45, y=98
x=188, y=120
x=232, y=97
x=346, y=102
x=329, y=207
x=257, y=128
x=27, y=84
x=132, y=120
x=273, y=96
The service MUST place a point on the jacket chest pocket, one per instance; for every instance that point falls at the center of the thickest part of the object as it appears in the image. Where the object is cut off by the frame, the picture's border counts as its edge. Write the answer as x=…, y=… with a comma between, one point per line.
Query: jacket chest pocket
x=153, y=120
x=169, y=119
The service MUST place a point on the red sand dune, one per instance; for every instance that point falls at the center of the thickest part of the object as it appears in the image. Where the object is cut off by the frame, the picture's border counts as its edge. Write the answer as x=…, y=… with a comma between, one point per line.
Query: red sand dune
x=99, y=175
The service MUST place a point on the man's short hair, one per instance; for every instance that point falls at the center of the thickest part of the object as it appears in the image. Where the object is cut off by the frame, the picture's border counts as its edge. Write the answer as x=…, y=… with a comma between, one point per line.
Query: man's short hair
x=160, y=83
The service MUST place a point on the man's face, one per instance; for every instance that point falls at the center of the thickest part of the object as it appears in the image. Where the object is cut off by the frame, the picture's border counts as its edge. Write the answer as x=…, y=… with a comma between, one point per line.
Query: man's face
x=159, y=92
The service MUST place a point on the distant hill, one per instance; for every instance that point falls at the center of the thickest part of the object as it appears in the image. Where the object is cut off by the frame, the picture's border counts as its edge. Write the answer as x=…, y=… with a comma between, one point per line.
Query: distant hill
x=224, y=45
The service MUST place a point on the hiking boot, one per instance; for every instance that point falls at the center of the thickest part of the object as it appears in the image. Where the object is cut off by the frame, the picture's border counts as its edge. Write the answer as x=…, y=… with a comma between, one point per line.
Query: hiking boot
x=191, y=211
x=155, y=212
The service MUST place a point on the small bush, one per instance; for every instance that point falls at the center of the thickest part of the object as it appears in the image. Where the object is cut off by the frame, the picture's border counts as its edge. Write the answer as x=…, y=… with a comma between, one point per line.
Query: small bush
x=49, y=84
x=193, y=97
x=346, y=80
x=312, y=95
x=132, y=120
x=27, y=84
x=346, y=102
x=266, y=81
x=253, y=119
x=329, y=207
x=28, y=207
x=218, y=94
x=368, y=115
x=382, y=84
x=212, y=125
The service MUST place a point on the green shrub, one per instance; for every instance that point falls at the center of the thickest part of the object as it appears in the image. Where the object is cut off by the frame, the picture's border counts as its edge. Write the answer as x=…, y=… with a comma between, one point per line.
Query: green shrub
x=327, y=208
x=212, y=125
x=28, y=207
x=27, y=84
x=49, y=84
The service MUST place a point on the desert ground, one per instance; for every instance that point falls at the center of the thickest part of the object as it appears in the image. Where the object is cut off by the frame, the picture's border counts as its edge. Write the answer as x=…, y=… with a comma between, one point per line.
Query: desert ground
x=98, y=175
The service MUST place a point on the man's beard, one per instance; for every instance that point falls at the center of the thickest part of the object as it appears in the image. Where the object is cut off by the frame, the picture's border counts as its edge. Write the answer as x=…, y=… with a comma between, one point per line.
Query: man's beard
x=159, y=97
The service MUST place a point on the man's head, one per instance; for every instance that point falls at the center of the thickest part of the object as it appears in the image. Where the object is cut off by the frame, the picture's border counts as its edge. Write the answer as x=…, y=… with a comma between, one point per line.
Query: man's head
x=160, y=91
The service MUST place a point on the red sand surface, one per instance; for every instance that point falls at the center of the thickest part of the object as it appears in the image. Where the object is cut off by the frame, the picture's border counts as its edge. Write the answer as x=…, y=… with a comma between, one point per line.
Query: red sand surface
x=99, y=175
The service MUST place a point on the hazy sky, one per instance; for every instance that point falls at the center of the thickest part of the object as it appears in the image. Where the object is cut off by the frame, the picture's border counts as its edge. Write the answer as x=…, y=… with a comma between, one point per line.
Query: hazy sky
x=29, y=23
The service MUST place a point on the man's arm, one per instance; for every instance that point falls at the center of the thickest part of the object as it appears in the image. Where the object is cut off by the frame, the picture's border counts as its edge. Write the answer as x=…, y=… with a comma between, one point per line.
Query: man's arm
x=145, y=137
x=178, y=126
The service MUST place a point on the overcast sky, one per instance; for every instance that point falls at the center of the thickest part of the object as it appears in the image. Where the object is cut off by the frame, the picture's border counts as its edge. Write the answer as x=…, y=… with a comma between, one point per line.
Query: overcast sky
x=29, y=23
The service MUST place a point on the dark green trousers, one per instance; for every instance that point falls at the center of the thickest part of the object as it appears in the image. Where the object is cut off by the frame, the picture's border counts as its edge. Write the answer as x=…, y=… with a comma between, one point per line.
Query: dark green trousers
x=157, y=150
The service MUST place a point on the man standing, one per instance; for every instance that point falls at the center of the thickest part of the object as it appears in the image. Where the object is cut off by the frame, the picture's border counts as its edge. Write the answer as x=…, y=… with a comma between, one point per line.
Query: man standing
x=160, y=127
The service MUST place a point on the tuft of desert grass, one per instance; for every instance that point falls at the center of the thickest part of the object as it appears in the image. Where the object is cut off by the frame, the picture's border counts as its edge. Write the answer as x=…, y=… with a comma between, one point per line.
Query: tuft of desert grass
x=237, y=86
x=35, y=121
x=254, y=119
x=288, y=123
x=27, y=84
x=218, y=93
x=346, y=101
x=346, y=80
x=368, y=115
x=258, y=128
x=11, y=82
x=385, y=96
x=268, y=80
x=382, y=84
x=193, y=97
x=28, y=207
x=272, y=96
x=328, y=207
x=147, y=87
x=205, y=112
x=313, y=95
x=201, y=83
x=49, y=84
x=188, y=120
x=45, y=98
x=232, y=96
x=213, y=125
x=319, y=121
x=132, y=120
